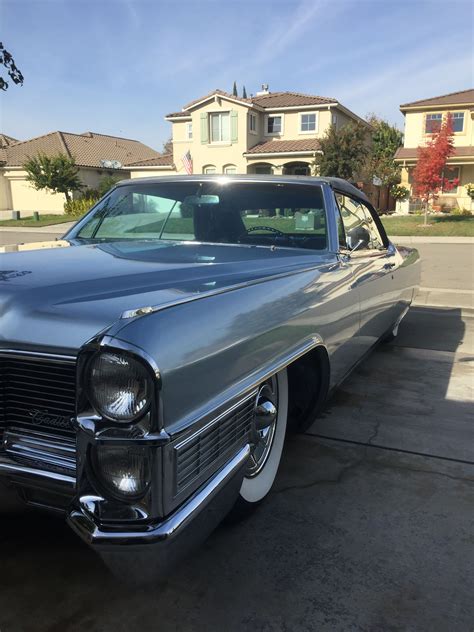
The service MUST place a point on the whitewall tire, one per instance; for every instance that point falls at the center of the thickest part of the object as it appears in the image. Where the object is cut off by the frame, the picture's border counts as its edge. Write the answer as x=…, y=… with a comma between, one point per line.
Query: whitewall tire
x=265, y=459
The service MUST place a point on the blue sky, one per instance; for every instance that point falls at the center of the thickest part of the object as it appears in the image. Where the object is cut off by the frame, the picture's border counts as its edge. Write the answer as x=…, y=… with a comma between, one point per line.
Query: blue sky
x=118, y=66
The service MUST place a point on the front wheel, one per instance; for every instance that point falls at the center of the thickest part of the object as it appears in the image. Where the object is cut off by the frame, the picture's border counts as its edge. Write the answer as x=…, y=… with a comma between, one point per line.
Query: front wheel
x=262, y=468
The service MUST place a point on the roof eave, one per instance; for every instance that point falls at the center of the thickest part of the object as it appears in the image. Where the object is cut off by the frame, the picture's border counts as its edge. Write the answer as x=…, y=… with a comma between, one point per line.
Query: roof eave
x=276, y=154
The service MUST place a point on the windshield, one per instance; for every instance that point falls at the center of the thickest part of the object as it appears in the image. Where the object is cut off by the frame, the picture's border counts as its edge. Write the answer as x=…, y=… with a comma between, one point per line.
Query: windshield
x=266, y=214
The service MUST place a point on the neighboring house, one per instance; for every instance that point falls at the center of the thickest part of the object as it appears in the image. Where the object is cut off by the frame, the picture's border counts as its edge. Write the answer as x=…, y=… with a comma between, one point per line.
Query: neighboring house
x=96, y=155
x=271, y=132
x=424, y=117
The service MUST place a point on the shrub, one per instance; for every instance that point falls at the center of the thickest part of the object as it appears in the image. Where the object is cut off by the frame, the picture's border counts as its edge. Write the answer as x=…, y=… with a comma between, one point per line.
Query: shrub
x=464, y=212
x=80, y=206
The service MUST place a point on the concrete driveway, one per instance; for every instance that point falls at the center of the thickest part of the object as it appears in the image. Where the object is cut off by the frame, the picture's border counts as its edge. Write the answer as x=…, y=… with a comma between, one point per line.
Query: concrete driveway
x=369, y=526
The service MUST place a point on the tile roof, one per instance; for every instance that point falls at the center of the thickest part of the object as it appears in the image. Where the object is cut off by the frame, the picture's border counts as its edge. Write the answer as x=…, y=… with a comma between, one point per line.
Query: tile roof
x=159, y=161
x=412, y=152
x=175, y=114
x=289, y=99
x=217, y=92
x=6, y=141
x=466, y=97
x=270, y=100
x=283, y=146
x=88, y=149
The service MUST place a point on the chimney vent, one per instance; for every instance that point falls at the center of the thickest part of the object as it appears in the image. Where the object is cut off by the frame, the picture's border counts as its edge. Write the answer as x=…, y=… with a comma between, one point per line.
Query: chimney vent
x=263, y=91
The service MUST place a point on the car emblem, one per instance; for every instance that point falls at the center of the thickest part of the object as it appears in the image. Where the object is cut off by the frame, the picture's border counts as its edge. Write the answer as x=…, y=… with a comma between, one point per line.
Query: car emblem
x=43, y=417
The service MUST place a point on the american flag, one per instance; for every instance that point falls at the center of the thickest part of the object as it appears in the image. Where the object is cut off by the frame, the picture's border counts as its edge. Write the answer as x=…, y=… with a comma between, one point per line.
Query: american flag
x=188, y=162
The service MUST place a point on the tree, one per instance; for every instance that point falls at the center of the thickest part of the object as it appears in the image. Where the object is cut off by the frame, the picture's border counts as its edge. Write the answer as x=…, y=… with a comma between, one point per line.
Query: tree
x=106, y=183
x=58, y=174
x=429, y=173
x=386, y=139
x=244, y=93
x=168, y=146
x=6, y=60
x=344, y=151
x=234, y=90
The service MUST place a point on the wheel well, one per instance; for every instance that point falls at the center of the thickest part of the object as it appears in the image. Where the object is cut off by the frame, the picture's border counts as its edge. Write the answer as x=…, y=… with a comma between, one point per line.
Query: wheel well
x=308, y=385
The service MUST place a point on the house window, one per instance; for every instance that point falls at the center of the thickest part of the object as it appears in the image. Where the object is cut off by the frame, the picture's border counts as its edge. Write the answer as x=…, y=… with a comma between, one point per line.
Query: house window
x=451, y=174
x=458, y=121
x=308, y=123
x=230, y=169
x=209, y=169
x=220, y=127
x=189, y=131
x=274, y=124
x=253, y=123
x=433, y=123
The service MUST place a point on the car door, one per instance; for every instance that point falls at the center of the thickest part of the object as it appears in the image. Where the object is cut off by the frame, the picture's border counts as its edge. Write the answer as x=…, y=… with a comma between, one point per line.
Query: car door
x=373, y=260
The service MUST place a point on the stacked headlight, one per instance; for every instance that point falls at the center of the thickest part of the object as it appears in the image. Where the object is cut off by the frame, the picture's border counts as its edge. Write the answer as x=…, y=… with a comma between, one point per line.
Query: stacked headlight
x=123, y=471
x=119, y=387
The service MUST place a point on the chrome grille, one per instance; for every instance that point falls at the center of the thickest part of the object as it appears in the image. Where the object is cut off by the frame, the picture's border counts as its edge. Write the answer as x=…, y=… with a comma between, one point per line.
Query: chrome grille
x=37, y=403
x=37, y=393
x=41, y=450
x=199, y=456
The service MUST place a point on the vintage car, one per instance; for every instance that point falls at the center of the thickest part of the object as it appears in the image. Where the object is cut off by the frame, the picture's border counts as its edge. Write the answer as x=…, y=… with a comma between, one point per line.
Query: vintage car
x=153, y=360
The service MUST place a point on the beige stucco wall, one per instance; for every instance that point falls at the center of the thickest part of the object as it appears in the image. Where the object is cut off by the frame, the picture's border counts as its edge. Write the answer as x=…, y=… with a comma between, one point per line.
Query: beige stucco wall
x=17, y=194
x=415, y=128
x=223, y=154
x=218, y=155
x=150, y=173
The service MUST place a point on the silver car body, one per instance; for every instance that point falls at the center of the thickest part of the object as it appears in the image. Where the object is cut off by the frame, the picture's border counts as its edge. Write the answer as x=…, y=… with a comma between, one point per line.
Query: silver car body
x=212, y=320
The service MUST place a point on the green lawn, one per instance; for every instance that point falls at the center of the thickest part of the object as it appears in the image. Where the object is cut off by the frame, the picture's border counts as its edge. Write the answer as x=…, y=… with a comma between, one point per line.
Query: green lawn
x=45, y=220
x=454, y=226
x=450, y=226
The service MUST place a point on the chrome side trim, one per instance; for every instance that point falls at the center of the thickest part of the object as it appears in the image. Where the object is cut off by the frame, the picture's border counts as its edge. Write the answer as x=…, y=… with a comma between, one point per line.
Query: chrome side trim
x=83, y=524
x=151, y=309
x=215, y=420
x=250, y=383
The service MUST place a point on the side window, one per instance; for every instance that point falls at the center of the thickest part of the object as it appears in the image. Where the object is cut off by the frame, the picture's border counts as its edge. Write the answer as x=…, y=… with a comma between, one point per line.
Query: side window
x=359, y=225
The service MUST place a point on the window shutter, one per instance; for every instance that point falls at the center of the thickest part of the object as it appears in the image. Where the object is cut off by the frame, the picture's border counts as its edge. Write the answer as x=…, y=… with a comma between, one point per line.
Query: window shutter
x=204, y=129
x=234, y=118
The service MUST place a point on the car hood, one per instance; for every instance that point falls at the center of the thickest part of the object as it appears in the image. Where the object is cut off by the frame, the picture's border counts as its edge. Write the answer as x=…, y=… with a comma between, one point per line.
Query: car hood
x=58, y=298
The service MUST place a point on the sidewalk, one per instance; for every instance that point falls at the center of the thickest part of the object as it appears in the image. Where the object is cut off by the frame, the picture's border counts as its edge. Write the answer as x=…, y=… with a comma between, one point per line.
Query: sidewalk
x=57, y=229
x=444, y=297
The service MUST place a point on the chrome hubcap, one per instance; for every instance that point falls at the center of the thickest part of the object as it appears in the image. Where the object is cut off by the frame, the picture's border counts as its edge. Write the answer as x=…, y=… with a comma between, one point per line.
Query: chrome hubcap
x=266, y=413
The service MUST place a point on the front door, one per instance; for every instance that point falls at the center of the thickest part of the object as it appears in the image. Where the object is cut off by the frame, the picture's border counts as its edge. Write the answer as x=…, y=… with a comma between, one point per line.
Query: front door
x=373, y=262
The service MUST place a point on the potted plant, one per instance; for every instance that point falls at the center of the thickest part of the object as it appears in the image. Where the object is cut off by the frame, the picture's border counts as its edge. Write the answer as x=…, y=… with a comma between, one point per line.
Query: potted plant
x=399, y=193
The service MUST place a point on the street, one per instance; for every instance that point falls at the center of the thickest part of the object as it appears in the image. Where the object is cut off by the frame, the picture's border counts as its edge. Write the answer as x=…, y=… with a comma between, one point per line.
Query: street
x=369, y=525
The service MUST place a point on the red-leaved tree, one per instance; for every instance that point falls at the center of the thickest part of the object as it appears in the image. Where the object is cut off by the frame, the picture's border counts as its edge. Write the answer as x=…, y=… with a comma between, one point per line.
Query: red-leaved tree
x=429, y=174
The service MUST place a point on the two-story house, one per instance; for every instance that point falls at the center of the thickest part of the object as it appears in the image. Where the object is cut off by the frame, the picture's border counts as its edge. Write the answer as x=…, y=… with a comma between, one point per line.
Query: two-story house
x=271, y=132
x=424, y=117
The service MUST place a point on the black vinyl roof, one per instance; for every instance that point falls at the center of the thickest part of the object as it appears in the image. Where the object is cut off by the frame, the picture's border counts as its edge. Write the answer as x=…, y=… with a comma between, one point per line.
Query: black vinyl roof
x=338, y=184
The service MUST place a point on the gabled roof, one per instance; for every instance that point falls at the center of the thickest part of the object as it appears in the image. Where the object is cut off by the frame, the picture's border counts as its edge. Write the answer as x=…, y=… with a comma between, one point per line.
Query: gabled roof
x=6, y=141
x=289, y=99
x=465, y=97
x=159, y=161
x=270, y=100
x=87, y=149
x=285, y=146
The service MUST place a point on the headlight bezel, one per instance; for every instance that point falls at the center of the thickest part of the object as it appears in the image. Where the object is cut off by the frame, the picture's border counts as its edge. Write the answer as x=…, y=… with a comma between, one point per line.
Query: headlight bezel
x=89, y=384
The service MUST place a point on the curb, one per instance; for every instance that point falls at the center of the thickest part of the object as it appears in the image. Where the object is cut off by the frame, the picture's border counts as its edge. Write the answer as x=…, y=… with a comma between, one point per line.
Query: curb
x=400, y=239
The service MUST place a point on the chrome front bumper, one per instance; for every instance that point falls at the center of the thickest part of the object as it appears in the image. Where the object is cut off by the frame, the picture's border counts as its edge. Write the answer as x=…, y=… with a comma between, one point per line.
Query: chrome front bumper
x=143, y=552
